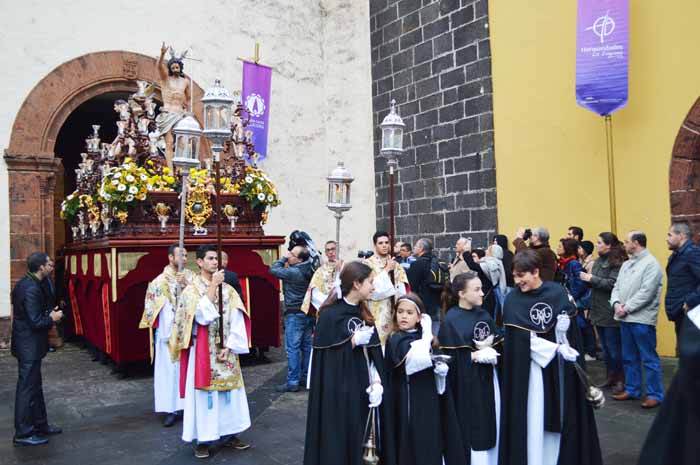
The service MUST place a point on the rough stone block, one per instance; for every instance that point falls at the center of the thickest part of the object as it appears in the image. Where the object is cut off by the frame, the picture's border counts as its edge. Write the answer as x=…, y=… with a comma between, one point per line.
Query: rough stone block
x=436, y=28
x=441, y=64
x=426, y=153
x=451, y=112
x=462, y=17
x=484, y=219
x=427, y=86
x=457, y=183
x=402, y=61
x=443, y=131
x=410, y=22
x=443, y=44
x=410, y=39
x=432, y=223
x=449, y=149
x=470, y=200
x=424, y=120
x=471, y=33
x=423, y=52
x=429, y=13
x=482, y=180
x=430, y=102
x=434, y=187
x=407, y=6
x=458, y=221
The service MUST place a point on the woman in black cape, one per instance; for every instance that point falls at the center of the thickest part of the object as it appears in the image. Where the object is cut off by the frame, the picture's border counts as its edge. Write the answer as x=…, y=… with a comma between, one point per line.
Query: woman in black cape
x=468, y=334
x=412, y=394
x=673, y=437
x=346, y=377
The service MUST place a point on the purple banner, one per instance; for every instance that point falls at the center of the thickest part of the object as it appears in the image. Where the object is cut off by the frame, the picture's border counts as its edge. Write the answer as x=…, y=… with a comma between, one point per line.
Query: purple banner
x=602, y=55
x=256, y=102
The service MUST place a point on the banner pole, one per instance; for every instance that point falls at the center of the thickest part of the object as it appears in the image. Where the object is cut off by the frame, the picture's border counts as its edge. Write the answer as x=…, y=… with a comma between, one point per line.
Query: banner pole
x=609, y=148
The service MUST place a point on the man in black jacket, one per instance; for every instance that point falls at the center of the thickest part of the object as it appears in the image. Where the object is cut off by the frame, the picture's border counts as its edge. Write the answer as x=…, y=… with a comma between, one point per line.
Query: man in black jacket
x=683, y=271
x=419, y=280
x=31, y=320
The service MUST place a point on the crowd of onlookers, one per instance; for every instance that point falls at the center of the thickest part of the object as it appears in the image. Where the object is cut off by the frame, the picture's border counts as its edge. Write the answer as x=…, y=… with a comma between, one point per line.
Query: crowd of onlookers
x=616, y=286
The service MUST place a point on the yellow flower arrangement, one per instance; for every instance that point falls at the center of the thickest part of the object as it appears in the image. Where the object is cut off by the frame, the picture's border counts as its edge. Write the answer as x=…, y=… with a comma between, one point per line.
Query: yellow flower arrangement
x=123, y=185
x=257, y=189
x=160, y=182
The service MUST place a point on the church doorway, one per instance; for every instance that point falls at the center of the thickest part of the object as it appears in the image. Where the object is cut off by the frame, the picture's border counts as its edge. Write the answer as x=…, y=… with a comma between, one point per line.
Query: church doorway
x=684, y=179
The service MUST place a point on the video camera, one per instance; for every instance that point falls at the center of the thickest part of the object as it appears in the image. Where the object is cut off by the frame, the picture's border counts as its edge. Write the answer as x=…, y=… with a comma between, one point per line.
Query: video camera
x=364, y=253
x=303, y=239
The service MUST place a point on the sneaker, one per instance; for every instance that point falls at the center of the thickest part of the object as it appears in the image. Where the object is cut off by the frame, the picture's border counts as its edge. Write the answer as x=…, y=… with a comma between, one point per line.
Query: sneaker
x=236, y=443
x=34, y=440
x=201, y=451
x=589, y=358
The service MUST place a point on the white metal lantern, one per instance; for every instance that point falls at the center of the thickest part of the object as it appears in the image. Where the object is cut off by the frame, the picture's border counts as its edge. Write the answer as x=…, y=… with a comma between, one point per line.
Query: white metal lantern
x=217, y=113
x=187, y=133
x=339, y=189
x=392, y=135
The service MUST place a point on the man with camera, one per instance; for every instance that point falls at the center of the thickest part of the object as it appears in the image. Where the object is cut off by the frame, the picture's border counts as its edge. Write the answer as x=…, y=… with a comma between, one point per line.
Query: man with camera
x=295, y=270
x=31, y=320
x=539, y=242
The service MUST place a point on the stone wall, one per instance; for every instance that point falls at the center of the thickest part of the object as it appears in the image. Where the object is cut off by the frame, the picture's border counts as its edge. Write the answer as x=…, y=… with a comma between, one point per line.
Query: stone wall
x=685, y=171
x=434, y=59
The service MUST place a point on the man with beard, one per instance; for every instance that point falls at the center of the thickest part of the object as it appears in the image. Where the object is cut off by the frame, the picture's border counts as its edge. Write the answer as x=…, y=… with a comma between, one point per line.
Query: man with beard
x=175, y=90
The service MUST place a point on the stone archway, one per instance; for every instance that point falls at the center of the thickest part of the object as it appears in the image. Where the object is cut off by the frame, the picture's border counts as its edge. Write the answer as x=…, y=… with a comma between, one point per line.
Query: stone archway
x=684, y=179
x=30, y=159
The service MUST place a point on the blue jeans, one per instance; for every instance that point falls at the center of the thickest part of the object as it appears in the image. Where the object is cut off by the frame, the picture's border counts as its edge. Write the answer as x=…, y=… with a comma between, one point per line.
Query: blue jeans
x=612, y=347
x=297, y=337
x=639, y=347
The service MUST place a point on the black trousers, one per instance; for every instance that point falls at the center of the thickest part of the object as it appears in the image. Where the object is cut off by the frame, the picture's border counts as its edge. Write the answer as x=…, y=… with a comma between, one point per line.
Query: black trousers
x=30, y=409
x=678, y=323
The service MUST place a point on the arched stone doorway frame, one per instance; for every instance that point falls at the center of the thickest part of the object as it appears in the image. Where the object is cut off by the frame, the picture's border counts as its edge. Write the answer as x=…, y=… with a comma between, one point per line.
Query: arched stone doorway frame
x=30, y=159
x=684, y=176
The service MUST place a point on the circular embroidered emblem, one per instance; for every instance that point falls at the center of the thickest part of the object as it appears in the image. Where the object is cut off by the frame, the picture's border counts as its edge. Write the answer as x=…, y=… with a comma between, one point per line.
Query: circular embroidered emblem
x=541, y=314
x=482, y=330
x=354, y=324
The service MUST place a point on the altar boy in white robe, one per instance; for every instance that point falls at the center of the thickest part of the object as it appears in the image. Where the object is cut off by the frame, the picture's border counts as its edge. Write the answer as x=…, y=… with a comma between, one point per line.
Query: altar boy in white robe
x=211, y=382
x=545, y=418
x=158, y=314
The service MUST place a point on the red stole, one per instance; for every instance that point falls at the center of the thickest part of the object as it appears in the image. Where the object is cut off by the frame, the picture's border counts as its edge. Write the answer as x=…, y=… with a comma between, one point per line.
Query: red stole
x=202, y=367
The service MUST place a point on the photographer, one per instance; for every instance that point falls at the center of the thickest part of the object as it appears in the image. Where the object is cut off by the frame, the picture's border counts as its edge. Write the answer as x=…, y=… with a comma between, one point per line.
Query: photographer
x=31, y=323
x=295, y=270
x=539, y=242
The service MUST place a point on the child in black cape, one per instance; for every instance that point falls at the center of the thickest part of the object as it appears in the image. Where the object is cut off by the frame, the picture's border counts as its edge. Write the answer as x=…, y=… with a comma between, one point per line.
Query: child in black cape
x=673, y=437
x=468, y=334
x=412, y=395
x=545, y=419
x=347, y=372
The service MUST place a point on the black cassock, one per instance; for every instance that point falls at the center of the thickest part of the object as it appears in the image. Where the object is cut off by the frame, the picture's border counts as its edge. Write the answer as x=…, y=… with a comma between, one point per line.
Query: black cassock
x=414, y=405
x=470, y=408
x=338, y=404
x=536, y=311
x=673, y=437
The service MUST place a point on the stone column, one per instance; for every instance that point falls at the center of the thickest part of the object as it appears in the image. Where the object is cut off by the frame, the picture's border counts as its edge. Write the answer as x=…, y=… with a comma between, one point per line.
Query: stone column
x=33, y=179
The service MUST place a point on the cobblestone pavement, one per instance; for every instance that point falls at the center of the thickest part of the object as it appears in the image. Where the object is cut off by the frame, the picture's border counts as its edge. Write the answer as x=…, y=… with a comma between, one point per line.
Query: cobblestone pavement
x=110, y=421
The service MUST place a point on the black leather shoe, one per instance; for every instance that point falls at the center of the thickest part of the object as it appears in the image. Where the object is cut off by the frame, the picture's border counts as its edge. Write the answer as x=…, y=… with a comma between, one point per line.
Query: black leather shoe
x=33, y=440
x=50, y=430
x=287, y=388
x=169, y=420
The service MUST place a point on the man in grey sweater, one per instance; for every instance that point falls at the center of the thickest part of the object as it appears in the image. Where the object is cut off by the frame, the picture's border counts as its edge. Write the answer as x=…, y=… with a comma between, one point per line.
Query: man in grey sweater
x=636, y=299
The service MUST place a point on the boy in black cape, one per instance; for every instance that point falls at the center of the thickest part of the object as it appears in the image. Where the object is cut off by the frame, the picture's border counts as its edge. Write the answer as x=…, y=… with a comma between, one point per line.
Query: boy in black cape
x=673, y=437
x=346, y=377
x=468, y=334
x=545, y=419
x=412, y=396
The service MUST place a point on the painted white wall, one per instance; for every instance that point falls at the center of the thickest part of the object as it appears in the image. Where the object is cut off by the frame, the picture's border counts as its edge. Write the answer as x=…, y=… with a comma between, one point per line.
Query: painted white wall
x=321, y=86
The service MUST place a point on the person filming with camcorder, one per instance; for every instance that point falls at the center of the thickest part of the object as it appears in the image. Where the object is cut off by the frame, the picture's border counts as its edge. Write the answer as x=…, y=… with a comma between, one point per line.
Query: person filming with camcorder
x=537, y=239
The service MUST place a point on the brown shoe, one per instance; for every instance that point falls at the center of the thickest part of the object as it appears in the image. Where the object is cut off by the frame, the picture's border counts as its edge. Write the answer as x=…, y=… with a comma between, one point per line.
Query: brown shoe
x=237, y=444
x=650, y=403
x=622, y=396
x=201, y=451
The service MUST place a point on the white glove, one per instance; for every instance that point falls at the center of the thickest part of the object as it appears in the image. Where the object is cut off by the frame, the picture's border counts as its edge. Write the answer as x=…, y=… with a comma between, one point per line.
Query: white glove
x=568, y=353
x=440, y=371
x=486, y=355
x=418, y=357
x=363, y=335
x=427, y=324
x=375, y=392
x=563, y=323
x=488, y=342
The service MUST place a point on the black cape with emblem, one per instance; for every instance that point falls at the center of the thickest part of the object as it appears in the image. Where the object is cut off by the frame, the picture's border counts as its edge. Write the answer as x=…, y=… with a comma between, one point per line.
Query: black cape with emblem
x=673, y=437
x=338, y=404
x=470, y=407
x=536, y=311
x=414, y=405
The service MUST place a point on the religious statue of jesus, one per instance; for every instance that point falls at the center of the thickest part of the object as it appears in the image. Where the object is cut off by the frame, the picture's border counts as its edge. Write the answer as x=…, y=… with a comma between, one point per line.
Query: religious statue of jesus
x=175, y=90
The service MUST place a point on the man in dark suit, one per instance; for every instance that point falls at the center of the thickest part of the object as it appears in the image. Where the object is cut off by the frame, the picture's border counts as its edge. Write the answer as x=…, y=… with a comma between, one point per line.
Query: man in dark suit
x=31, y=320
x=683, y=271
